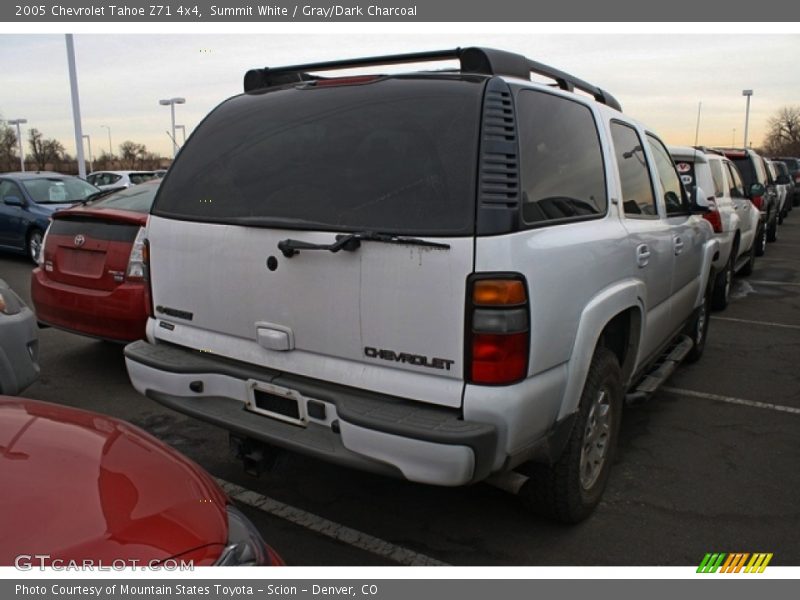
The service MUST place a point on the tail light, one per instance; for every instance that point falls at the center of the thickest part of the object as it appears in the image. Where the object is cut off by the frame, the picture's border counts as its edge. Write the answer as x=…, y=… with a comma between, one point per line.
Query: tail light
x=139, y=267
x=797, y=178
x=713, y=217
x=40, y=259
x=758, y=202
x=498, y=329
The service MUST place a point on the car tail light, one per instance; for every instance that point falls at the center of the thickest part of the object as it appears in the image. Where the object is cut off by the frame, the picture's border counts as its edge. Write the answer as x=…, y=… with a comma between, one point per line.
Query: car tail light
x=40, y=259
x=498, y=329
x=137, y=265
x=713, y=216
x=797, y=178
x=758, y=202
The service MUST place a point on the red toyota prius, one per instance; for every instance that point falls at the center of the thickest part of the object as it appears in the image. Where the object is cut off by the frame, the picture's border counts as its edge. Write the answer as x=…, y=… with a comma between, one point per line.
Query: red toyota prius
x=91, y=277
x=83, y=488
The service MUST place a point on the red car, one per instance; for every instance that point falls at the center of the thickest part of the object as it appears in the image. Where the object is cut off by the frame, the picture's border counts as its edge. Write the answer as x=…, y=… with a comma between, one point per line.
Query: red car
x=91, y=277
x=80, y=486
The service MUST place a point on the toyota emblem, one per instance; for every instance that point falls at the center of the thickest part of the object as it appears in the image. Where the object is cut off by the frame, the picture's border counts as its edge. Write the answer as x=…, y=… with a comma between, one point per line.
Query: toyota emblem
x=79, y=240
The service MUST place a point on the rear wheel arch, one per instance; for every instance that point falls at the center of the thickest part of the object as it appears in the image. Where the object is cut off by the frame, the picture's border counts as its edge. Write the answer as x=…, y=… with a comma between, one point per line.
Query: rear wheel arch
x=621, y=335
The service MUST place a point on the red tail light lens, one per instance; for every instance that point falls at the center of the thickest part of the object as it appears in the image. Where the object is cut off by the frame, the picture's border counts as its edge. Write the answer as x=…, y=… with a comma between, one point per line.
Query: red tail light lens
x=498, y=330
x=758, y=202
x=797, y=177
x=714, y=218
x=499, y=358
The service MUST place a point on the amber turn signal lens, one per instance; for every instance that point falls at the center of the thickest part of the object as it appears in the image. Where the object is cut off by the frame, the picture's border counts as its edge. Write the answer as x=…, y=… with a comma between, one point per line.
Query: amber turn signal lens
x=498, y=292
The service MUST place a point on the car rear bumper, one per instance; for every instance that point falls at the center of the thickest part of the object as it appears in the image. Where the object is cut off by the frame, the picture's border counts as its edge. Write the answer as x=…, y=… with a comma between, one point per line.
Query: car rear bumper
x=19, y=351
x=356, y=428
x=117, y=315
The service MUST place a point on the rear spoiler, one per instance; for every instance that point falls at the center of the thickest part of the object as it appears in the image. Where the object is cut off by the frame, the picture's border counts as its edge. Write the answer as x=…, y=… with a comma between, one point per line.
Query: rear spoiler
x=483, y=61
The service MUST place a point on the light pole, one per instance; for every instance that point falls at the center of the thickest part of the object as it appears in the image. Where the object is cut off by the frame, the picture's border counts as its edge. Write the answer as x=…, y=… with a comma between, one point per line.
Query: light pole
x=110, y=152
x=19, y=122
x=89, y=144
x=747, y=93
x=183, y=131
x=171, y=102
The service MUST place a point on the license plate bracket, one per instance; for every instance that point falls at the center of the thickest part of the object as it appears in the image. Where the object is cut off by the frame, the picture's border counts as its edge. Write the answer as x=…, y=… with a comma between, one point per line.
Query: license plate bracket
x=276, y=402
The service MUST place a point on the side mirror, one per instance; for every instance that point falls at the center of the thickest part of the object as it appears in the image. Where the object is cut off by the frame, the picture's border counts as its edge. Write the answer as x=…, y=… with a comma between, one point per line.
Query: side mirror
x=782, y=180
x=698, y=202
x=757, y=189
x=13, y=201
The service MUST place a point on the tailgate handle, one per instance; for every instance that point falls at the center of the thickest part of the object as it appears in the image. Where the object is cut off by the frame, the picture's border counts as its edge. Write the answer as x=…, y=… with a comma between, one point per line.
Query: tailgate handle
x=274, y=337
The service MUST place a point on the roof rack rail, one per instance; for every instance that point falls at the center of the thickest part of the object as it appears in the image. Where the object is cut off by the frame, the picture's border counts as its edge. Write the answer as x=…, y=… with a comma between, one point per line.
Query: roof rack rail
x=486, y=61
x=709, y=150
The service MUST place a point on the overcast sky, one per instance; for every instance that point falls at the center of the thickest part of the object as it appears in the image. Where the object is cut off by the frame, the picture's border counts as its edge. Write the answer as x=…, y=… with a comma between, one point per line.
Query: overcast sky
x=658, y=78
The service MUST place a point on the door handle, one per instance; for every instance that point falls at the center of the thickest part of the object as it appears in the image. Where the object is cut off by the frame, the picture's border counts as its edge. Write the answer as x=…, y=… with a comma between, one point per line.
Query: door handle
x=642, y=255
x=678, y=245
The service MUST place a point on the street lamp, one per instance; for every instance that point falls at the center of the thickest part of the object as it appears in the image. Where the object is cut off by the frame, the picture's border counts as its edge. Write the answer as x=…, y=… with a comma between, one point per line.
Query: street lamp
x=171, y=102
x=110, y=152
x=19, y=122
x=183, y=131
x=89, y=144
x=747, y=93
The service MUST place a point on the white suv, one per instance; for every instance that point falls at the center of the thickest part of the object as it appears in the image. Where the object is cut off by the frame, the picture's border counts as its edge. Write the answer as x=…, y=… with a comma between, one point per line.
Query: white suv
x=737, y=223
x=433, y=275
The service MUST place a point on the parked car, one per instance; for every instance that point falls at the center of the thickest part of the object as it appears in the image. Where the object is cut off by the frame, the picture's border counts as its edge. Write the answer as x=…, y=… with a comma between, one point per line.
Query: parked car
x=785, y=186
x=80, y=486
x=91, y=276
x=119, y=179
x=26, y=202
x=19, y=346
x=736, y=222
x=753, y=170
x=436, y=276
x=793, y=164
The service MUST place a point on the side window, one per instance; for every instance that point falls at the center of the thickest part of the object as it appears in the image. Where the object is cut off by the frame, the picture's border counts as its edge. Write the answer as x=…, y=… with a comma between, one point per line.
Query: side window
x=563, y=176
x=670, y=182
x=737, y=187
x=9, y=188
x=717, y=177
x=112, y=178
x=637, y=187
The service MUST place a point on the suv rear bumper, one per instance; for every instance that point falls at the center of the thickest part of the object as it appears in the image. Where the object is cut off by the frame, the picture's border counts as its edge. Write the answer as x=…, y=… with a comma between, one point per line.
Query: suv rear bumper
x=360, y=429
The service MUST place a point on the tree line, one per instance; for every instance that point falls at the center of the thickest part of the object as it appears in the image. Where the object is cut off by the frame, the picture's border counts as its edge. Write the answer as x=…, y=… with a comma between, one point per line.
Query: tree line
x=43, y=154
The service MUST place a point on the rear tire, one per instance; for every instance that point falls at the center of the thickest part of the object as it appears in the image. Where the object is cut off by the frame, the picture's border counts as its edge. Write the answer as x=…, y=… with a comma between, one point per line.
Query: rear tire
x=772, y=230
x=570, y=490
x=697, y=327
x=747, y=269
x=761, y=240
x=724, y=282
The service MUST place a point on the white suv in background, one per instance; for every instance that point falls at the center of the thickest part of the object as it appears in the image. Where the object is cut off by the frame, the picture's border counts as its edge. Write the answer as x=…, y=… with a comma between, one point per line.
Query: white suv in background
x=737, y=223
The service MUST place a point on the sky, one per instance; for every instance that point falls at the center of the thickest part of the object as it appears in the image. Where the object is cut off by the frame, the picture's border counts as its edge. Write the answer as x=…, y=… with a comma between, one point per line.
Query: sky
x=659, y=78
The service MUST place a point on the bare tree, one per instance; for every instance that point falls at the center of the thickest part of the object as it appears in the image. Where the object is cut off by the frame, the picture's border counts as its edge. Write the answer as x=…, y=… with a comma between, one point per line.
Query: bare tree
x=43, y=150
x=130, y=152
x=783, y=138
x=9, y=160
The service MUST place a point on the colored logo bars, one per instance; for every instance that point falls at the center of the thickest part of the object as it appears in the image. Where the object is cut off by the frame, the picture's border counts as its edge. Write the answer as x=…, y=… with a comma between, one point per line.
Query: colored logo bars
x=734, y=562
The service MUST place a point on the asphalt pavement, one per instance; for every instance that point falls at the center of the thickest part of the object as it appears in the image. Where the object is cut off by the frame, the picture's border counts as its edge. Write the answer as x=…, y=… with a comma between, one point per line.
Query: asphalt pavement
x=710, y=464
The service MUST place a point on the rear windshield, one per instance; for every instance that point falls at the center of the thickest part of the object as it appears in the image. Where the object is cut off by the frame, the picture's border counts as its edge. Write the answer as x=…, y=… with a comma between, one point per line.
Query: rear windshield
x=138, y=198
x=745, y=166
x=396, y=155
x=141, y=177
x=58, y=190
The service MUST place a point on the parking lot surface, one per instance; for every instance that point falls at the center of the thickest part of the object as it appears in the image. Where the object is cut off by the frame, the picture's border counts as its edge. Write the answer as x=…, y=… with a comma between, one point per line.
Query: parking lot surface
x=710, y=464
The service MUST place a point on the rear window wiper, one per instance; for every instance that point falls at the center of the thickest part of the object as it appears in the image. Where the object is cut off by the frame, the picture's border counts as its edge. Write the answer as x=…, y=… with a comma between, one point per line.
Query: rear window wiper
x=352, y=241
x=99, y=194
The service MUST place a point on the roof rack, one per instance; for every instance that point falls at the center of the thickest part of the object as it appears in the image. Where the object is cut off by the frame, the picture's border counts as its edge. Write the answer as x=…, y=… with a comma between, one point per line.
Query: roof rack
x=709, y=150
x=486, y=61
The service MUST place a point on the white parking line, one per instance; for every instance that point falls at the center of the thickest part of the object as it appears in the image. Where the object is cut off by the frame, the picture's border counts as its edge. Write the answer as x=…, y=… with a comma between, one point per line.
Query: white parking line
x=762, y=282
x=768, y=323
x=731, y=400
x=328, y=528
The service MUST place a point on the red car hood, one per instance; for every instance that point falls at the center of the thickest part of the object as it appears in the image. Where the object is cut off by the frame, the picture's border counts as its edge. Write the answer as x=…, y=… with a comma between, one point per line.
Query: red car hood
x=78, y=485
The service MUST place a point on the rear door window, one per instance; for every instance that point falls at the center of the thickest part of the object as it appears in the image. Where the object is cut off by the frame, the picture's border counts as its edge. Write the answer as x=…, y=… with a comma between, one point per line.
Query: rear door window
x=717, y=177
x=397, y=155
x=671, y=185
x=737, y=187
x=638, y=199
x=563, y=176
